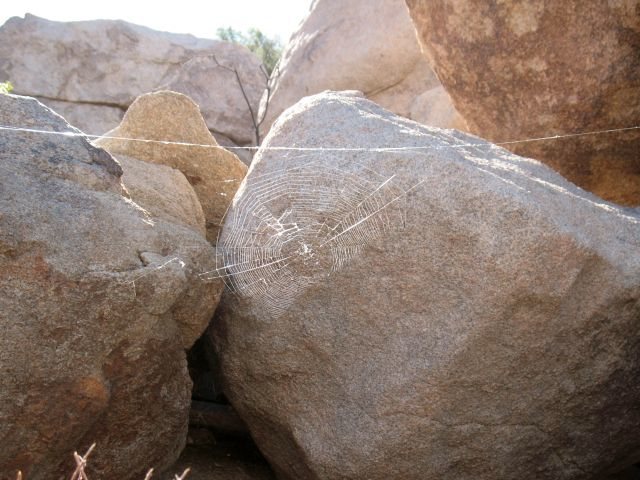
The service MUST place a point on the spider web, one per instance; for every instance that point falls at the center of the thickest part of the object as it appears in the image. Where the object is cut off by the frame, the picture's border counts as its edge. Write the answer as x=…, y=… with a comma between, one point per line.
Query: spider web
x=294, y=227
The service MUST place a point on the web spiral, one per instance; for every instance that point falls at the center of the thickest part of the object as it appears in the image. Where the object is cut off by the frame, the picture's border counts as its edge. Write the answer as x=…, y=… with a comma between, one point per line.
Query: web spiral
x=292, y=228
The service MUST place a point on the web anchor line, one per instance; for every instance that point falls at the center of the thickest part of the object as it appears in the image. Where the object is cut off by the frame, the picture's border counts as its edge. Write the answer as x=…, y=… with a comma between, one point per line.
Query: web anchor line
x=307, y=220
x=320, y=149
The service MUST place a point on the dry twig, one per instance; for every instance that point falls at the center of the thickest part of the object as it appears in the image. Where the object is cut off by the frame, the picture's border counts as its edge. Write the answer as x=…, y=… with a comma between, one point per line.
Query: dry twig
x=81, y=463
x=184, y=474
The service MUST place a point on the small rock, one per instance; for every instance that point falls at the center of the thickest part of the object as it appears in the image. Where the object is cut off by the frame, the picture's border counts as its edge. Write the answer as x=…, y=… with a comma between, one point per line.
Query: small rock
x=162, y=191
x=213, y=172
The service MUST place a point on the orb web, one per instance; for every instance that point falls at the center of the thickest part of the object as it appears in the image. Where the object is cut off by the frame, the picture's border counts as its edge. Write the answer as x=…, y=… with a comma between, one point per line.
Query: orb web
x=294, y=227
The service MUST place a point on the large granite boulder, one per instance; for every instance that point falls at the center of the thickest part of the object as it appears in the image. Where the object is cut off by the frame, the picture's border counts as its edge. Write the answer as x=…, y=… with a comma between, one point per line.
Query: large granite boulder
x=366, y=45
x=418, y=303
x=95, y=69
x=166, y=128
x=519, y=70
x=99, y=298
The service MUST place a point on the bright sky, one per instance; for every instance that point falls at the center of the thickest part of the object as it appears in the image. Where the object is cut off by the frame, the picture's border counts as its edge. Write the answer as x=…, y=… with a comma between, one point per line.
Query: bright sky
x=200, y=18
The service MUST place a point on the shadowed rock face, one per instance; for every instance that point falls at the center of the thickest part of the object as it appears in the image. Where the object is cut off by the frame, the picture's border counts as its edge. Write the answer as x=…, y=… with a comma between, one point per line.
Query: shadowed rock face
x=519, y=70
x=99, y=298
x=437, y=311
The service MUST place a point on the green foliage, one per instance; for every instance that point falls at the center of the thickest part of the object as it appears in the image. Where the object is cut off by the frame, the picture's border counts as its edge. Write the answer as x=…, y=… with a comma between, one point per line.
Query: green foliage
x=231, y=35
x=267, y=49
x=5, y=87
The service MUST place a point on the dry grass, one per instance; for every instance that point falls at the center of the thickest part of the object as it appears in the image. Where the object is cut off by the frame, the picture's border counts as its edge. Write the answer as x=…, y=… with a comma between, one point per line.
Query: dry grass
x=81, y=464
